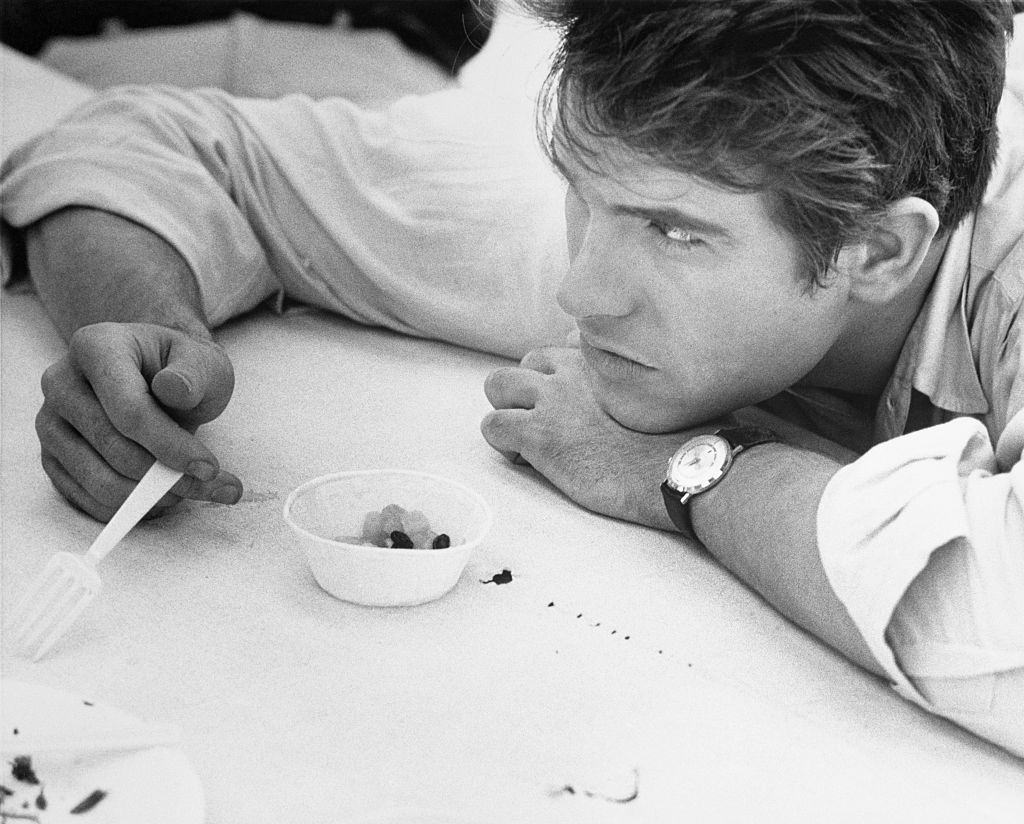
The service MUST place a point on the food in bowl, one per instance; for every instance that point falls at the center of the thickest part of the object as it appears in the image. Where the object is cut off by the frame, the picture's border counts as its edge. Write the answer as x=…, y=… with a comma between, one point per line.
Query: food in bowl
x=396, y=527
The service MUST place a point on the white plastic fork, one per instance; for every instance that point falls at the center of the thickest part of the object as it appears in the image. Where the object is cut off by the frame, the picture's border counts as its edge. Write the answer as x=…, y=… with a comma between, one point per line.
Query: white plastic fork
x=69, y=582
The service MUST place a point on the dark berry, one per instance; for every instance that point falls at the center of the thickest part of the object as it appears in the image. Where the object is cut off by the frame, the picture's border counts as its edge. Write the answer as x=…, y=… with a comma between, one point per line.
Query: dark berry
x=399, y=540
x=442, y=541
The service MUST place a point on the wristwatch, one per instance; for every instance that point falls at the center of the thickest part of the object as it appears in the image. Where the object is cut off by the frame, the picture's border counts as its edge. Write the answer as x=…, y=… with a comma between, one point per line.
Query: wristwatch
x=702, y=462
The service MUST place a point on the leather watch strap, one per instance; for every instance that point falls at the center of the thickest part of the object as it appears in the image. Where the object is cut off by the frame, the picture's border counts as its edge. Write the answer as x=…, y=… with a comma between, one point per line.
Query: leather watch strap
x=678, y=510
x=677, y=503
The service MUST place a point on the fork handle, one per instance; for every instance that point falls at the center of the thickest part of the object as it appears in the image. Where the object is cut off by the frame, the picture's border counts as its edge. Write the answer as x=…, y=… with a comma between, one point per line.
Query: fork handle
x=153, y=486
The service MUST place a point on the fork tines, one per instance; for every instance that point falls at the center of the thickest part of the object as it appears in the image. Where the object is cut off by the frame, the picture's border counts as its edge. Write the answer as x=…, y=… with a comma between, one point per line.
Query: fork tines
x=57, y=597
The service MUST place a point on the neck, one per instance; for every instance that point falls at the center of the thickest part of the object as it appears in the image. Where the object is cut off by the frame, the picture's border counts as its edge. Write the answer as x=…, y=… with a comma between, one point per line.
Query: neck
x=863, y=358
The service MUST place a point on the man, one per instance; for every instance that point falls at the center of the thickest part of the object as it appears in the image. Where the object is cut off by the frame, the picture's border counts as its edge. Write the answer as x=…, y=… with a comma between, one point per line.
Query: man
x=786, y=205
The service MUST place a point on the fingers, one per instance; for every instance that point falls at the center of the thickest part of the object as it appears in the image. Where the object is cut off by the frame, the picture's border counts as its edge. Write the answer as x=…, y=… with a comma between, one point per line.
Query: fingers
x=73, y=491
x=513, y=387
x=505, y=430
x=521, y=386
x=224, y=488
x=512, y=391
x=546, y=393
x=69, y=398
x=107, y=490
x=110, y=362
x=67, y=457
x=546, y=361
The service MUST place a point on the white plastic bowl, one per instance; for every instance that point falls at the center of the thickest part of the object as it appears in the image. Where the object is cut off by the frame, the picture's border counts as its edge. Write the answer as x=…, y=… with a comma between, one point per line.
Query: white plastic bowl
x=335, y=505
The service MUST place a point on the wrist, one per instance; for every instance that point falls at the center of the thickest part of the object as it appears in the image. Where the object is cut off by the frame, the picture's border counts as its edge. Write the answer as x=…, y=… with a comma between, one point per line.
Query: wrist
x=700, y=464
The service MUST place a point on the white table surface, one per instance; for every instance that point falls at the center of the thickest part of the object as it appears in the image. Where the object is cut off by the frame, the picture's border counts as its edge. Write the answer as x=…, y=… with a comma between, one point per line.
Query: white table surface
x=615, y=650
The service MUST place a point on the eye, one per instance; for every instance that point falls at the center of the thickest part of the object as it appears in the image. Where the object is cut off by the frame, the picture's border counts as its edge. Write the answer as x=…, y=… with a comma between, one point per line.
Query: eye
x=675, y=237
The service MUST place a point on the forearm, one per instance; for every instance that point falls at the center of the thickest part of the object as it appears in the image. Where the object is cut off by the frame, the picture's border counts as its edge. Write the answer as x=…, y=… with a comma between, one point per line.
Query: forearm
x=760, y=523
x=90, y=266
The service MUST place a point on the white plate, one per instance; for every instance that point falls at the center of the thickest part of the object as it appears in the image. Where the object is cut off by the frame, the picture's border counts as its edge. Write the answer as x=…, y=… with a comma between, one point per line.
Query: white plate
x=156, y=785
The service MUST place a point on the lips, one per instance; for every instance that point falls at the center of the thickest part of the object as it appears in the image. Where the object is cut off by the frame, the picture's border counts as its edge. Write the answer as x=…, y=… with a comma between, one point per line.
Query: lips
x=610, y=363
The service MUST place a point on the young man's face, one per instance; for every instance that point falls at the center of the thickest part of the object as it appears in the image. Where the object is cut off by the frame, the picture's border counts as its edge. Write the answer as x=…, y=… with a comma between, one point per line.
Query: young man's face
x=689, y=299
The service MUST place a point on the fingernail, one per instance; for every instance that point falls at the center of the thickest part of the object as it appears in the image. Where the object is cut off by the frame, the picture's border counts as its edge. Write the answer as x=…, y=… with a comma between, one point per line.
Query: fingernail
x=203, y=470
x=227, y=494
x=185, y=382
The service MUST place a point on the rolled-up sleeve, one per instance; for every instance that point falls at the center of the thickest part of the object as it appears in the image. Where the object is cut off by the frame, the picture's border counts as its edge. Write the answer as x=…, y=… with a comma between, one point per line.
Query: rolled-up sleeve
x=148, y=156
x=922, y=539
x=436, y=216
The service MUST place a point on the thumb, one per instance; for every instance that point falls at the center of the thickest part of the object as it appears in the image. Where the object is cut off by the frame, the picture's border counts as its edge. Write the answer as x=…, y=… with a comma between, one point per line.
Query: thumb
x=196, y=378
x=178, y=388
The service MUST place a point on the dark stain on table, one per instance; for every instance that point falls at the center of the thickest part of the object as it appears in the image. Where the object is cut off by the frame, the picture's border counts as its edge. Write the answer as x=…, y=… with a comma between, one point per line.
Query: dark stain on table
x=592, y=623
x=503, y=577
x=569, y=789
x=248, y=497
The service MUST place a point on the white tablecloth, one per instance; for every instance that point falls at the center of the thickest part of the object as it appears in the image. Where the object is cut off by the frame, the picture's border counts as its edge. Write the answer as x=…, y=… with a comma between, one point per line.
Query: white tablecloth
x=615, y=651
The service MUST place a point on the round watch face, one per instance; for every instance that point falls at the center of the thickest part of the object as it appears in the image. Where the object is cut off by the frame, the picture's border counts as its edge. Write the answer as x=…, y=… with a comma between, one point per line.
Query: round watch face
x=699, y=463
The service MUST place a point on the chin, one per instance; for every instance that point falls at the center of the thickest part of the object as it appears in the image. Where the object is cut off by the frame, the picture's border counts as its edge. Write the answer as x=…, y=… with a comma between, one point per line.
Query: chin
x=635, y=406
x=652, y=418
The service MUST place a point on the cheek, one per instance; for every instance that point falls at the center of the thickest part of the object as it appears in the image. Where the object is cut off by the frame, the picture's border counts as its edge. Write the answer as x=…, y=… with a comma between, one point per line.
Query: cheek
x=719, y=356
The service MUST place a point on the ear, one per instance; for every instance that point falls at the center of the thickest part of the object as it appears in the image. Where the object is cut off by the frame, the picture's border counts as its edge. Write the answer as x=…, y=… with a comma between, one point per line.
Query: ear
x=885, y=262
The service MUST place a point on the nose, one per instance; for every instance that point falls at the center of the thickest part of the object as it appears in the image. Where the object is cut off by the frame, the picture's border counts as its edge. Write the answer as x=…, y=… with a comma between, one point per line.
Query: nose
x=598, y=280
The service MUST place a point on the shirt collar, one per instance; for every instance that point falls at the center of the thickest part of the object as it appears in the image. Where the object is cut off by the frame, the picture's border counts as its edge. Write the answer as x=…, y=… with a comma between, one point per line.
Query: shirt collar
x=936, y=358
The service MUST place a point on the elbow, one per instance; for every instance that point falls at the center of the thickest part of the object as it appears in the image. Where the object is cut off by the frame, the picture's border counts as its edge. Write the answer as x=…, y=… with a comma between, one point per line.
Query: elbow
x=957, y=637
x=989, y=705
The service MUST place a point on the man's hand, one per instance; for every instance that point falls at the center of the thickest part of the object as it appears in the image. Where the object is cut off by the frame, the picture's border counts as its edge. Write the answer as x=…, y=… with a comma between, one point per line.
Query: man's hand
x=545, y=411
x=124, y=394
x=142, y=371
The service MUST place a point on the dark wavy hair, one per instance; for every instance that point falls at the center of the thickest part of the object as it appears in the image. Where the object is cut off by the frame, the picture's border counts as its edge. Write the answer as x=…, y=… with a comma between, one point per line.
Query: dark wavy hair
x=834, y=108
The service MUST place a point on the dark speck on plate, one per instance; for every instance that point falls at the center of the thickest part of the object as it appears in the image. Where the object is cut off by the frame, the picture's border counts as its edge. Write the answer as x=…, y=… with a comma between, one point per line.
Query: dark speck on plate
x=21, y=770
x=87, y=803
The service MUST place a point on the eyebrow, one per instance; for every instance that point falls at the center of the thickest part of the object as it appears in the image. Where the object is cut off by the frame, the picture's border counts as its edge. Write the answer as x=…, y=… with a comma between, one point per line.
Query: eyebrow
x=667, y=215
